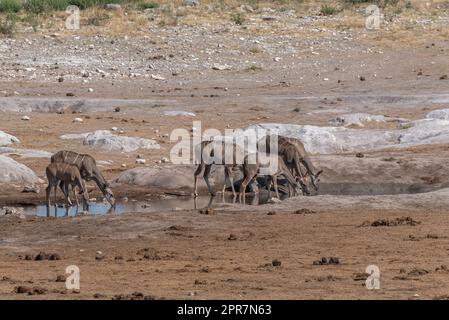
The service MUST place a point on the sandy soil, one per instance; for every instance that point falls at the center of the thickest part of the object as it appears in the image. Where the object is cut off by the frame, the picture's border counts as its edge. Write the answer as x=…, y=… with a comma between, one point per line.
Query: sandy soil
x=231, y=252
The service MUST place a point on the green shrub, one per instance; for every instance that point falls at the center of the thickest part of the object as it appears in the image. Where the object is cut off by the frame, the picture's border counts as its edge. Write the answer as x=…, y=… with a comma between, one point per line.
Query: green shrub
x=10, y=6
x=327, y=10
x=147, y=5
x=36, y=6
x=83, y=4
x=58, y=5
x=238, y=18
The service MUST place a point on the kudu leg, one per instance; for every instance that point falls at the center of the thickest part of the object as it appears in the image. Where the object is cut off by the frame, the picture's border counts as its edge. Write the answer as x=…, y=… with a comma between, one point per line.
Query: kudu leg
x=199, y=169
x=47, y=198
x=275, y=183
x=228, y=177
x=206, y=178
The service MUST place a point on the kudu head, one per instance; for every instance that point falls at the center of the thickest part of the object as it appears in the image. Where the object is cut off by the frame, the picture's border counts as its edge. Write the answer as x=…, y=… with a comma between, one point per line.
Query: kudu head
x=315, y=178
x=107, y=192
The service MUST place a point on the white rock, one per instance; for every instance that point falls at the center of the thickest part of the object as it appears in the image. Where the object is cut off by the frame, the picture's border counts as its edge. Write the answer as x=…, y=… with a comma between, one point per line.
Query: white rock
x=140, y=161
x=157, y=77
x=74, y=136
x=77, y=120
x=360, y=118
x=7, y=139
x=12, y=171
x=25, y=153
x=11, y=211
x=105, y=140
x=167, y=176
x=90, y=90
x=442, y=114
x=221, y=67
x=25, y=118
x=179, y=113
x=113, y=6
x=191, y=3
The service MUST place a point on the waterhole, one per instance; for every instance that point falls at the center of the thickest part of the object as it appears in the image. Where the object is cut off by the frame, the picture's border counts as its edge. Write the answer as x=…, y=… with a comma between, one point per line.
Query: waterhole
x=189, y=203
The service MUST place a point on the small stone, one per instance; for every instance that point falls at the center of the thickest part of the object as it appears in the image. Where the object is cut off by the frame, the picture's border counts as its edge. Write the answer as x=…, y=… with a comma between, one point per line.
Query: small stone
x=54, y=256
x=232, y=237
x=78, y=120
x=99, y=256
x=362, y=78
x=90, y=90
x=191, y=3
x=276, y=263
x=70, y=94
x=113, y=7
x=141, y=161
x=221, y=67
x=334, y=260
x=61, y=79
x=22, y=289
x=41, y=256
x=359, y=155
x=31, y=189
x=60, y=278
x=443, y=77
x=117, y=109
x=207, y=211
x=157, y=77
x=25, y=118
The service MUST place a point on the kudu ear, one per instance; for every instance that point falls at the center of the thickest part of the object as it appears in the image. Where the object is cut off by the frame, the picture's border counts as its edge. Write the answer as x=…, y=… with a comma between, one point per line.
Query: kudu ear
x=319, y=172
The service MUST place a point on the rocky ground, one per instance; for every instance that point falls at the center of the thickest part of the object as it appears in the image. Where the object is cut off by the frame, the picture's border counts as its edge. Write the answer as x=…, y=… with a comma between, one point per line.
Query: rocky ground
x=361, y=100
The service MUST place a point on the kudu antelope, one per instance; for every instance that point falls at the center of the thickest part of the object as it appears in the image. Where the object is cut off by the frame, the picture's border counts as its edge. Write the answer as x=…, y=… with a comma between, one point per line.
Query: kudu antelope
x=206, y=148
x=294, y=154
x=252, y=170
x=88, y=170
x=71, y=177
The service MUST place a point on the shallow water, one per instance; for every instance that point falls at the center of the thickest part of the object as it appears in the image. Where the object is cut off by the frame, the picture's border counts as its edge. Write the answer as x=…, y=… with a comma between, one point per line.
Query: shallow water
x=157, y=205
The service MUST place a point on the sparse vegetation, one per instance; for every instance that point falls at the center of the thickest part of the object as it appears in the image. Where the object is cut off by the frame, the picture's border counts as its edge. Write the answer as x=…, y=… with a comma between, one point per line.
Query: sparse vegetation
x=8, y=24
x=380, y=3
x=147, y=5
x=45, y=6
x=328, y=10
x=255, y=50
x=254, y=68
x=10, y=6
x=83, y=4
x=98, y=19
x=238, y=18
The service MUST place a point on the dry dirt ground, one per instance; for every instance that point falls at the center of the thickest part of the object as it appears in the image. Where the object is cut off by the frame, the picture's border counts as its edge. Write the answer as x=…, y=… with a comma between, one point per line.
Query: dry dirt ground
x=306, y=70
